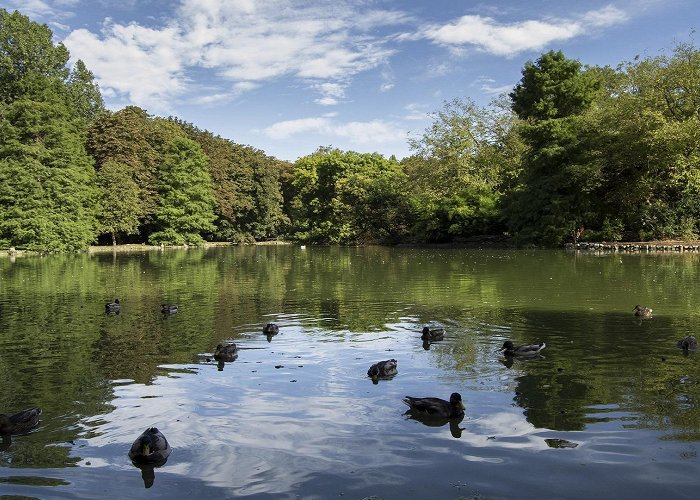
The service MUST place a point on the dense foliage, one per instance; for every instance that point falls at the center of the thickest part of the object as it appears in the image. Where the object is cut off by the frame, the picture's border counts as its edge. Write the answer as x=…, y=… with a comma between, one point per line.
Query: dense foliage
x=573, y=152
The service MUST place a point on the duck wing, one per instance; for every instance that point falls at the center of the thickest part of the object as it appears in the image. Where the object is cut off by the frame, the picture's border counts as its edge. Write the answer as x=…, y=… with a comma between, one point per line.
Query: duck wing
x=429, y=406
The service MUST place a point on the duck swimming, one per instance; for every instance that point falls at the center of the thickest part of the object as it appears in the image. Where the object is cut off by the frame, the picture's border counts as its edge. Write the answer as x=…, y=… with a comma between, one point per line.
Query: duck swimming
x=19, y=423
x=113, y=307
x=434, y=334
x=226, y=352
x=150, y=447
x=383, y=369
x=509, y=349
x=436, y=407
x=168, y=308
x=688, y=343
x=642, y=312
x=270, y=330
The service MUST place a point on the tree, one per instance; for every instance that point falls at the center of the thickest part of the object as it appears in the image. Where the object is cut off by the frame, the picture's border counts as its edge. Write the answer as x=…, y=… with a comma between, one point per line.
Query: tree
x=121, y=203
x=186, y=203
x=348, y=197
x=246, y=187
x=84, y=93
x=561, y=175
x=28, y=57
x=47, y=182
x=125, y=138
x=649, y=128
x=463, y=163
x=48, y=198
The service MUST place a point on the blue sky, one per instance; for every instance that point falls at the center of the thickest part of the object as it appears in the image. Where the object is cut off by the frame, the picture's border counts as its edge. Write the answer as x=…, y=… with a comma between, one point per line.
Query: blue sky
x=288, y=76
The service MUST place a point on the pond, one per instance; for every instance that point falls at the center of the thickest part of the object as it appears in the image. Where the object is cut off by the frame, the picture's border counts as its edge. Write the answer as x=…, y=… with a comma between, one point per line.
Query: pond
x=611, y=406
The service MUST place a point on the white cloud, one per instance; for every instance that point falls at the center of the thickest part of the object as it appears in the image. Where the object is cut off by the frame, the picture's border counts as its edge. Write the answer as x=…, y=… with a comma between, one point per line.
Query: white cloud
x=487, y=85
x=415, y=111
x=43, y=9
x=288, y=128
x=140, y=65
x=607, y=16
x=241, y=41
x=332, y=93
x=487, y=35
x=369, y=133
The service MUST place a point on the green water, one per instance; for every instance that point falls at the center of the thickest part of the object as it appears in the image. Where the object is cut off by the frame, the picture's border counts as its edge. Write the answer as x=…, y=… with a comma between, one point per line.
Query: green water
x=610, y=408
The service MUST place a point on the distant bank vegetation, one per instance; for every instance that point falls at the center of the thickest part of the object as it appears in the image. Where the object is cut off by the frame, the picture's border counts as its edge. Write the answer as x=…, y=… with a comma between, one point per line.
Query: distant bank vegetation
x=574, y=153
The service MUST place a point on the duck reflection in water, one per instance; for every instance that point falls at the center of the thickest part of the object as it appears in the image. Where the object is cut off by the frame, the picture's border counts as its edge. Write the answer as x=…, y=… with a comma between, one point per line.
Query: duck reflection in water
x=150, y=450
x=689, y=343
x=436, y=412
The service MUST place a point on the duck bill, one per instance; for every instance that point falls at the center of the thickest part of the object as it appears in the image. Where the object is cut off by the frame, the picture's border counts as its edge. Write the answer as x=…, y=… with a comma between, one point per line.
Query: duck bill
x=146, y=450
x=461, y=405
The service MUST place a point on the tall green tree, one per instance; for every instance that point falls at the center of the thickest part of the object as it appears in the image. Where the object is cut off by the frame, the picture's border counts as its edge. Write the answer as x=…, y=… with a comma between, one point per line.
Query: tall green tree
x=186, y=202
x=28, y=57
x=125, y=138
x=47, y=182
x=48, y=197
x=121, y=205
x=84, y=93
x=561, y=178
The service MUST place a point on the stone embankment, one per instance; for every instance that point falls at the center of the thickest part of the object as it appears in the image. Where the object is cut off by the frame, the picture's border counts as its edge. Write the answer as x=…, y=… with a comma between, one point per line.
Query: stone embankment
x=647, y=246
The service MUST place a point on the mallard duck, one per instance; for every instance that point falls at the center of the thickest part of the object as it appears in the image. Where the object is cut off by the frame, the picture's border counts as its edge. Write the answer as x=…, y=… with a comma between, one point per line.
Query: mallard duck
x=150, y=447
x=226, y=352
x=383, y=369
x=436, y=407
x=509, y=349
x=642, y=312
x=688, y=342
x=168, y=308
x=271, y=329
x=434, y=334
x=113, y=307
x=19, y=423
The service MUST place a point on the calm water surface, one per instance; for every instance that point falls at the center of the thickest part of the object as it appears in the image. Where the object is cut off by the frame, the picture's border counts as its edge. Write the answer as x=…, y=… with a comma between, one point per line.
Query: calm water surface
x=611, y=409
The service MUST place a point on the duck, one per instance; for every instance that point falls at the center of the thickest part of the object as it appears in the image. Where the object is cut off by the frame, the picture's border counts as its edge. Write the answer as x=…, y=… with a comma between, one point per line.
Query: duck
x=150, y=447
x=382, y=369
x=19, y=423
x=226, y=352
x=271, y=329
x=509, y=349
x=436, y=407
x=434, y=334
x=642, y=312
x=689, y=342
x=168, y=308
x=113, y=307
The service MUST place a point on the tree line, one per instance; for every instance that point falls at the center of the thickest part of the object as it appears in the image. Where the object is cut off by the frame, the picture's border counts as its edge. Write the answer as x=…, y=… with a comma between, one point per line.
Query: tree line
x=573, y=153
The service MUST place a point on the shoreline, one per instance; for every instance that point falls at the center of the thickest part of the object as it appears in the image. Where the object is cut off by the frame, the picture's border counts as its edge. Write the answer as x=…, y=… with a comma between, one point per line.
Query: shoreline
x=655, y=246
